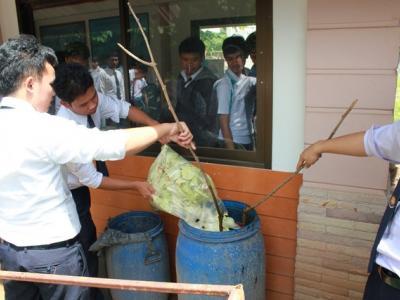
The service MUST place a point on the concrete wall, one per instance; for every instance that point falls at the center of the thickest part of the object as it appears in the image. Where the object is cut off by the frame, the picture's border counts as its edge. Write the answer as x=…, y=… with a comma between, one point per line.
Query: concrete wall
x=8, y=20
x=352, y=53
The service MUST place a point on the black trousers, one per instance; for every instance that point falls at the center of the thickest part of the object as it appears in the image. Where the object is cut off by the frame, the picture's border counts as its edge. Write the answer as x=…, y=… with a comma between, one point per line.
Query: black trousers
x=66, y=260
x=376, y=289
x=87, y=235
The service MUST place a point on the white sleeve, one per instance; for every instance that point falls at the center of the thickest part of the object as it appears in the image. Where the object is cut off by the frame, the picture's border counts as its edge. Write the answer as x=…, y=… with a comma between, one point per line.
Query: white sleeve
x=224, y=97
x=113, y=108
x=65, y=141
x=86, y=173
x=383, y=142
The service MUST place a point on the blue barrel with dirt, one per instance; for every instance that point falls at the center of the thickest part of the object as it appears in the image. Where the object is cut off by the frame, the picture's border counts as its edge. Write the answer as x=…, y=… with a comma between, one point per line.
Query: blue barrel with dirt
x=229, y=257
x=144, y=255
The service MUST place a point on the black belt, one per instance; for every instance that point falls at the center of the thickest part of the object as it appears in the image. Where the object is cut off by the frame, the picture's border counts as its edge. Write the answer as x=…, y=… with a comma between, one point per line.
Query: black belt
x=62, y=244
x=389, y=277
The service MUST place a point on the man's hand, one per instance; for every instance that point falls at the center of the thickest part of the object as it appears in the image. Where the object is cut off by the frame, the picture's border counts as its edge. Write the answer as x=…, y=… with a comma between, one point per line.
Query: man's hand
x=182, y=135
x=144, y=188
x=309, y=156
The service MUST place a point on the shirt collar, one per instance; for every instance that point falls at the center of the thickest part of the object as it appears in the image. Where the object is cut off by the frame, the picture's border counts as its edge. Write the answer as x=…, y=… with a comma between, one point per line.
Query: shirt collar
x=193, y=76
x=232, y=76
x=17, y=103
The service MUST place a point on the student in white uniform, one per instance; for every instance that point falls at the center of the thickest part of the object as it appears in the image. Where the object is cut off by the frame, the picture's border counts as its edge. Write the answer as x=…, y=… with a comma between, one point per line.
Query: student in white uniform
x=383, y=142
x=81, y=103
x=39, y=223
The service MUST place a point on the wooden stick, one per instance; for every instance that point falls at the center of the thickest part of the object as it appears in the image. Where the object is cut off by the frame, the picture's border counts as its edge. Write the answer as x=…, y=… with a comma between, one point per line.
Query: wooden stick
x=237, y=293
x=282, y=184
x=153, y=64
x=129, y=285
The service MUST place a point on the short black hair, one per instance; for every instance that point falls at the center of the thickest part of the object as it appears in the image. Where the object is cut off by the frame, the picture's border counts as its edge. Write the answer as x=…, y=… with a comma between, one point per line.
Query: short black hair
x=192, y=44
x=21, y=57
x=251, y=42
x=141, y=66
x=72, y=80
x=77, y=48
x=233, y=44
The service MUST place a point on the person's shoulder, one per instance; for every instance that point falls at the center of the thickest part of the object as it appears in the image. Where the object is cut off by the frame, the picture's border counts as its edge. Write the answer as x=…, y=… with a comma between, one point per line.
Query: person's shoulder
x=65, y=113
x=221, y=83
x=208, y=74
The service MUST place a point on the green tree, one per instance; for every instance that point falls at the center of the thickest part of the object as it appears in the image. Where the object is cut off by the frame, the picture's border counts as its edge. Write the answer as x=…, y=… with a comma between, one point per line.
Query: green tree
x=213, y=40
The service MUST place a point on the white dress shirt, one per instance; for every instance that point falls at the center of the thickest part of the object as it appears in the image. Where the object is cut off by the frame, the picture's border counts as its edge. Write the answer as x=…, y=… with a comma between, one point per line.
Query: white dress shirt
x=231, y=92
x=102, y=82
x=384, y=142
x=120, y=77
x=36, y=206
x=86, y=174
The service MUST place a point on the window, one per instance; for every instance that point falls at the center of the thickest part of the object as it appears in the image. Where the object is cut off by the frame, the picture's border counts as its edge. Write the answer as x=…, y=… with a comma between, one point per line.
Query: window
x=105, y=34
x=58, y=36
x=167, y=24
x=171, y=23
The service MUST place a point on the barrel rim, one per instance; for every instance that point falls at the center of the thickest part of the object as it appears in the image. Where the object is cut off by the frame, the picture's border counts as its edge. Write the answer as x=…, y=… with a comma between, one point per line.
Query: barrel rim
x=158, y=227
x=225, y=236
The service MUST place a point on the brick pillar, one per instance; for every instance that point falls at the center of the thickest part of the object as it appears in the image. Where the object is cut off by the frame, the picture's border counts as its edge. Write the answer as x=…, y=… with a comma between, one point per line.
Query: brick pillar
x=335, y=233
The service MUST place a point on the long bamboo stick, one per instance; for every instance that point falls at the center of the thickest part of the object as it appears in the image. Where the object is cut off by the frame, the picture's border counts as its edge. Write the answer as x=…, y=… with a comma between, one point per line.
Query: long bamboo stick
x=282, y=184
x=153, y=64
x=129, y=285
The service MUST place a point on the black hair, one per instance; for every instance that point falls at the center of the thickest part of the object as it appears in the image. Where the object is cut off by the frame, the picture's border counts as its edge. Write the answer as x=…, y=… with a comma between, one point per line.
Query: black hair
x=141, y=66
x=77, y=49
x=251, y=42
x=192, y=45
x=72, y=80
x=21, y=57
x=233, y=44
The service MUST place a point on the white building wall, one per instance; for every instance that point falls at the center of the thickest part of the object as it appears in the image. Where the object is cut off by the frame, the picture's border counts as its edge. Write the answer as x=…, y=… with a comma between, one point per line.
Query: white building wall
x=289, y=82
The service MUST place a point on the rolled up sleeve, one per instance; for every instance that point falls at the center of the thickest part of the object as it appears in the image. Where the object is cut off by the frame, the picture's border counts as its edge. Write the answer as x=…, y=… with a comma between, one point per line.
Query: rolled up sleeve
x=383, y=142
x=86, y=174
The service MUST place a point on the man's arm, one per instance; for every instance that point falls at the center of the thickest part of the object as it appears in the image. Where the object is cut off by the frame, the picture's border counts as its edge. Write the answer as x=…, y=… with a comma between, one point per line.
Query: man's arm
x=138, y=116
x=226, y=131
x=143, y=187
x=141, y=137
x=85, y=144
x=351, y=144
x=86, y=174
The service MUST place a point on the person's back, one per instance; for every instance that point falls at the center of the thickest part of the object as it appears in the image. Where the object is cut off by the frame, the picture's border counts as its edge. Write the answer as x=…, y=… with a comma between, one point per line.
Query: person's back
x=102, y=81
x=16, y=156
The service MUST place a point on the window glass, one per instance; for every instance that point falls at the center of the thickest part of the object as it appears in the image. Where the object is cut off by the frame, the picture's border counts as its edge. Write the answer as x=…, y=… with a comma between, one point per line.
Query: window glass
x=58, y=36
x=212, y=88
x=105, y=34
x=215, y=96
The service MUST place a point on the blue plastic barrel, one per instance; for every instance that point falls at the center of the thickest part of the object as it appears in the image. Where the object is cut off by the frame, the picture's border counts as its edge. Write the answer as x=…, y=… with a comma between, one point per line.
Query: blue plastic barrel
x=229, y=257
x=144, y=257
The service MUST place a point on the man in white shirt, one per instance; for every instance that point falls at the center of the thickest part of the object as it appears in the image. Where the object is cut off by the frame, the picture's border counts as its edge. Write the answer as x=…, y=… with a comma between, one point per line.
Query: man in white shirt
x=102, y=82
x=39, y=222
x=81, y=103
x=116, y=76
x=383, y=142
x=236, y=98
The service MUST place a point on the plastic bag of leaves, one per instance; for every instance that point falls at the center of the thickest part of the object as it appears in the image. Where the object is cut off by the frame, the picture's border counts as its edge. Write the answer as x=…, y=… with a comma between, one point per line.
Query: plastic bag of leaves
x=181, y=190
